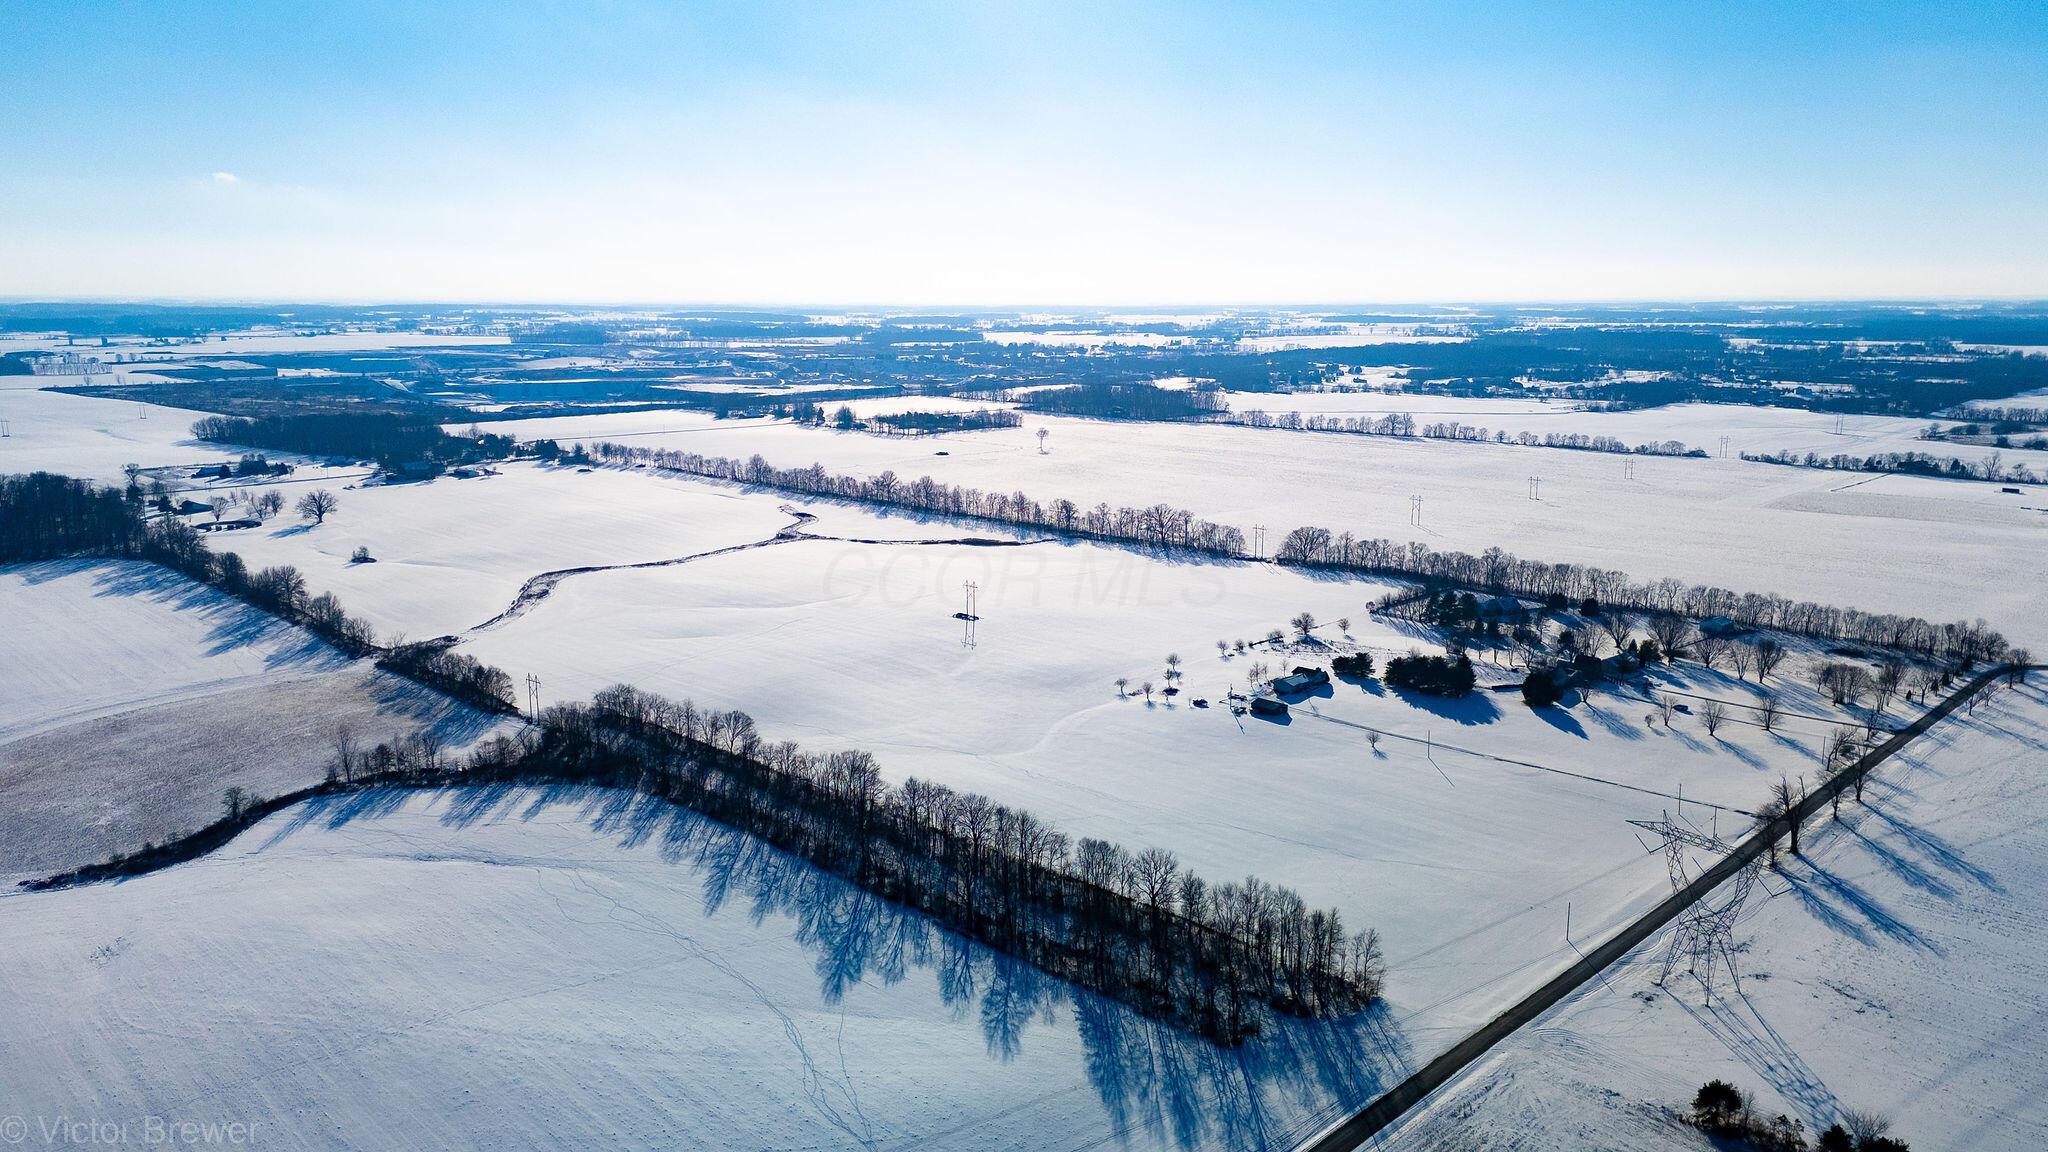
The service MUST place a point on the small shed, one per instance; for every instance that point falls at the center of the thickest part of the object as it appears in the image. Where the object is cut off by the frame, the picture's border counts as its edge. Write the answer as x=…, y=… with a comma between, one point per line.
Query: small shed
x=1268, y=706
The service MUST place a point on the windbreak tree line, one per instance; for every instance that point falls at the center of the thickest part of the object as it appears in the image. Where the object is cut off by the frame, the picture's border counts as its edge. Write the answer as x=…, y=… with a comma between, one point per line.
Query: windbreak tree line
x=1160, y=525
x=1213, y=959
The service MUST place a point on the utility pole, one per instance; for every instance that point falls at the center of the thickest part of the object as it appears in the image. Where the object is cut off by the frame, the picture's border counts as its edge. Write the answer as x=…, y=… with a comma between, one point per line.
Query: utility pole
x=1724, y=447
x=1535, y=488
x=532, y=696
x=1415, y=510
x=1259, y=541
x=972, y=589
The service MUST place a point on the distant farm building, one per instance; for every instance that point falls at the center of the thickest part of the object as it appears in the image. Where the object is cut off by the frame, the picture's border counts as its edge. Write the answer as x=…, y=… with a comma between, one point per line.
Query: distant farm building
x=1268, y=706
x=1719, y=626
x=1300, y=680
x=1503, y=610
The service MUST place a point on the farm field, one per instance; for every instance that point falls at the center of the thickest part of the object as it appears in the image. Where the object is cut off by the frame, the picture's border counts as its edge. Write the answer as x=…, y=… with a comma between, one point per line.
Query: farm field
x=91, y=437
x=521, y=969
x=1939, y=548
x=107, y=636
x=1749, y=428
x=1895, y=967
x=452, y=553
x=137, y=696
x=1022, y=704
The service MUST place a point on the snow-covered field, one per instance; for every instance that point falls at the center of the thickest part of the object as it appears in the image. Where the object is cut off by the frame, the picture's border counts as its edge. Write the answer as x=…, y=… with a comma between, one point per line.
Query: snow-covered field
x=510, y=970
x=90, y=437
x=1938, y=548
x=1896, y=968
x=839, y=644
x=133, y=697
x=452, y=553
x=1749, y=428
x=89, y=638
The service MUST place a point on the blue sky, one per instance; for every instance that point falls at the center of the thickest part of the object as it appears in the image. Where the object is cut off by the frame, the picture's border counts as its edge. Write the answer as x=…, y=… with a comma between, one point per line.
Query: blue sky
x=1016, y=154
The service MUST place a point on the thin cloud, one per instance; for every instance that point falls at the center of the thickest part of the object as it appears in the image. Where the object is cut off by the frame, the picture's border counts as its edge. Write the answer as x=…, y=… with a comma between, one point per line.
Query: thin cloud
x=226, y=178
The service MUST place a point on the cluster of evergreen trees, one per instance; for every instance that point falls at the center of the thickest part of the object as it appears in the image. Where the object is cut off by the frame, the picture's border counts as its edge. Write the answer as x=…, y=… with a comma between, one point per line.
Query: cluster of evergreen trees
x=1123, y=401
x=1435, y=675
x=926, y=423
x=1214, y=959
x=391, y=439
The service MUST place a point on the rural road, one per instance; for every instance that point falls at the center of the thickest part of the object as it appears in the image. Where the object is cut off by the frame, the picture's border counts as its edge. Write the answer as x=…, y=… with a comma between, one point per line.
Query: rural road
x=1361, y=1126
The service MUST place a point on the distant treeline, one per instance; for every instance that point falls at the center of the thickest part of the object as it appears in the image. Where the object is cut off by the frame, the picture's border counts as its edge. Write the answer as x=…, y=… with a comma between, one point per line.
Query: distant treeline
x=392, y=439
x=1610, y=364
x=1403, y=424
x=1991, y=468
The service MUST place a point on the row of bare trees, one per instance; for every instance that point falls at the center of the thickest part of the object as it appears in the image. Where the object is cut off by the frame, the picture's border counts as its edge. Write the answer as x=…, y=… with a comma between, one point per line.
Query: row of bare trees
x=1159, y=525
x=1136, y=926
x=1501, y=571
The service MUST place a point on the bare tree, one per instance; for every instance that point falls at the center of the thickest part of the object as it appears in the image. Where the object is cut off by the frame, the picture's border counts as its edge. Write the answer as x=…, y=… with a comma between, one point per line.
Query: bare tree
x=218, y=506
x=1372, y=737
x=1742, y=657
x=1304, y=624
x=1223, y=648
x=1712, y=714
x=1146, y=688
x=1710, y=649
x=1890, y=676
x=1769, y=654
x=231, y=802
x=1237, y=646
x=1671, y=630
x=345, y=751
x=1123, y=683
x=269, y=504
x=1785, y=799
x=1173, y=665
x=1864, y=1128
x=1344, y=625
x=1768, y=710
x=317, y=505
x=1619, y=626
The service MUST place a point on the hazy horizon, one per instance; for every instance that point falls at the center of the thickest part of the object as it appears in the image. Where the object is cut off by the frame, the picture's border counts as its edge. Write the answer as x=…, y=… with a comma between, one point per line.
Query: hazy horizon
x=1143, y=155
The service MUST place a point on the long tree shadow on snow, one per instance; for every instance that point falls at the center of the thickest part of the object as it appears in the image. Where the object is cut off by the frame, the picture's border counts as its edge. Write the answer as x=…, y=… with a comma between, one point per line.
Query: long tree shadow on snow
x=1148, y=1077
x=1471, y=709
